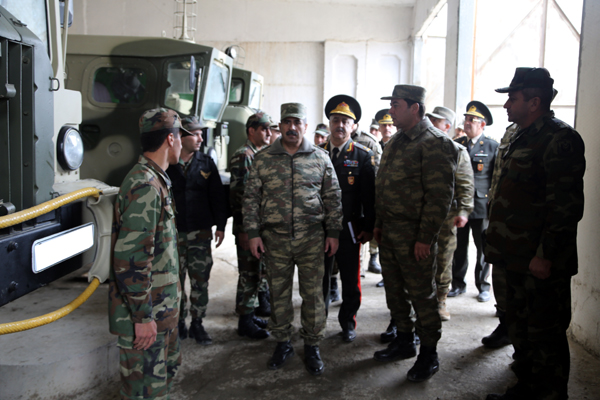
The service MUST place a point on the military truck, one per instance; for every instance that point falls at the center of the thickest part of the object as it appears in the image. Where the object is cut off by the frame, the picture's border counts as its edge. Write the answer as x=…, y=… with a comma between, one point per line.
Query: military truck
x=245, y=98
x=40, y=156
x=121, y=77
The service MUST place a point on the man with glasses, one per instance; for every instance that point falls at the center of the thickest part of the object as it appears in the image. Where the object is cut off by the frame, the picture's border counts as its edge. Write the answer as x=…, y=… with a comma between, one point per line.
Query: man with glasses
x=482, y=150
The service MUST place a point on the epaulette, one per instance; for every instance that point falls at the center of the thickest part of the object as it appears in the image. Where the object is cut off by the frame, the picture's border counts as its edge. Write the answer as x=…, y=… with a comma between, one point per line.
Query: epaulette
x=362, y=147
x=320, y=148
x=367, y=134
x=556, y=124
x=460, y=140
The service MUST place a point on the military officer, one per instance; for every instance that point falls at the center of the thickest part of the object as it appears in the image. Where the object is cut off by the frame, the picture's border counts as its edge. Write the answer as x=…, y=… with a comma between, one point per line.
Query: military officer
x=462, y=205
x=374, y=129
x=414, y=192
x=292, y=214
x=536, y=206
x=386, y=126
x=144, y=288
x=482, y=150
x=353, y=164
x=321, y=134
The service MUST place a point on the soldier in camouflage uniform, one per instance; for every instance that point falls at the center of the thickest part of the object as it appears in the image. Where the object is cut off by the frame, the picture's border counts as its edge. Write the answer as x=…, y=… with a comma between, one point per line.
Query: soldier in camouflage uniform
x=462, y=205
x=292, y=213
x=144, y=288
x=537, y=204
x=414, y=192
x=201, y=203
x=250, y=268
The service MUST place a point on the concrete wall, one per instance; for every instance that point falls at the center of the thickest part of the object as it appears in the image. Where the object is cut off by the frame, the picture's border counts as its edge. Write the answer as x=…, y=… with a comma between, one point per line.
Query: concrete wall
x=585, y=325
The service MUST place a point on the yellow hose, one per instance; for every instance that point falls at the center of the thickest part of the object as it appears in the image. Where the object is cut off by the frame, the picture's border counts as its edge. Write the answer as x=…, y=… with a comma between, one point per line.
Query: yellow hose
x=30, y=213
x=33, y=212
x=31, y=323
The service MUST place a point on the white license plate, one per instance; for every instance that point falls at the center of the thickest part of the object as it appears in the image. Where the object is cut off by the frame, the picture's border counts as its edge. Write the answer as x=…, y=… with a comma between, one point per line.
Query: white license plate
x=61, y=246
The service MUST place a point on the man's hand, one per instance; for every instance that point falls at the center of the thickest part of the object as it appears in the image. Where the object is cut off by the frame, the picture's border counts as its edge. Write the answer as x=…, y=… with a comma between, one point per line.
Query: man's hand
x=364, y=237
x=331, y=246
x=377, y=233
x=145, y=335
x=460, y=222
x=540, y=268
x=422, y=251
x=256, y=247
x=219, y=235
x=243, y=241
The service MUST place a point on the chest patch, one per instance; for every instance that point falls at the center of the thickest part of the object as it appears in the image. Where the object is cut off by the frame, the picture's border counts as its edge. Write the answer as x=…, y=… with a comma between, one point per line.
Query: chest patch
x=205, y=174
x=351, y=163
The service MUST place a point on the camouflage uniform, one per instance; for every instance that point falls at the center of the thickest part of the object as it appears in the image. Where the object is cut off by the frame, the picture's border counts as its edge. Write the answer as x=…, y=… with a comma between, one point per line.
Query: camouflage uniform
x=144, y=280
x=462, y=205
x=414, y=191
x=251, y=270
x=534, y=212
x=288, y=201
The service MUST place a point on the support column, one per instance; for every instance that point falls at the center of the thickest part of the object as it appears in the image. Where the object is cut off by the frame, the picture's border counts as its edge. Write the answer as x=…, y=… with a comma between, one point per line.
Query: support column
x=459, y=54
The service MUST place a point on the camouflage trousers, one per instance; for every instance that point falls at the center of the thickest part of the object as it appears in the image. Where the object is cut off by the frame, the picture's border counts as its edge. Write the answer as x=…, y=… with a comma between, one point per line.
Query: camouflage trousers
x=148, y=374
x=251, y=281
x=538, y=316
x=446, y=247
x=408, y=281
x=281, y=254
x=195, y=259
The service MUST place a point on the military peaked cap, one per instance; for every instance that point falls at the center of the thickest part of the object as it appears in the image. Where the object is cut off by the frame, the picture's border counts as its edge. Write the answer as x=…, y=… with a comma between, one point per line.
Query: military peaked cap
x=480, y=110
x=344, y=105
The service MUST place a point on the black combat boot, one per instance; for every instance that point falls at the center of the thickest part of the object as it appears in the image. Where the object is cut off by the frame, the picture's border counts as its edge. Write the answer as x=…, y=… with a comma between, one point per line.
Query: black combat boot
x=283, y=351
x=261, y=323
x=247, y=327
x=374, y=266
x=401, y=348
x=183, y=331
x=498, y=338
x=390, y=333
x=334, y=291
x=197, y=332
x=312, y=360
x=427, y=364
x=264, y=304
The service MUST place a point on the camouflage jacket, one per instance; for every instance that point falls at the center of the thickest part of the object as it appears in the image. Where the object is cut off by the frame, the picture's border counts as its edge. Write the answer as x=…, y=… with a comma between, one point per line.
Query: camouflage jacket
x=415, y=183
x=370, y=141
x=538, y=198
x=464, y=188
x=144, y=278
x=239, y=166
x=511, y=130
x=290, y=194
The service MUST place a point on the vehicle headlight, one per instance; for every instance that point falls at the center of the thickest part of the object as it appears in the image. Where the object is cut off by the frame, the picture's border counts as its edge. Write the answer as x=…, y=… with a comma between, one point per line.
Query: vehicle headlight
x=69, y=148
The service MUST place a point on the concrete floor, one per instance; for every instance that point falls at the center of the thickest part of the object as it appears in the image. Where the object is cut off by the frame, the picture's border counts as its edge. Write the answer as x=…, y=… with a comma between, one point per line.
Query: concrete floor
x=75, y=358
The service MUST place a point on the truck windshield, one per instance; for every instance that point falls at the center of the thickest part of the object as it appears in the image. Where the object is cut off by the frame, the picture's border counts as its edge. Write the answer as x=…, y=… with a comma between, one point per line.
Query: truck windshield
x=33, y=14
x=178, y=95
x=216, y=91
x=255, y=94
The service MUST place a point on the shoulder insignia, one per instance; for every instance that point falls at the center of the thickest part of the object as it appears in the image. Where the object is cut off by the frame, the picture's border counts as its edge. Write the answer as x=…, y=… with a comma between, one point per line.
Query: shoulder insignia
x=362, y=147
x=321, y=149
x=205, y=174
x=350, y=147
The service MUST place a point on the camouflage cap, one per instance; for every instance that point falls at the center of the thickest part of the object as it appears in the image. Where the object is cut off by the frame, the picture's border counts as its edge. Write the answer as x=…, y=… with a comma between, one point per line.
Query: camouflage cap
x=529, y=78
x=260, y=118
x=443, y=113
x=158, y=119
x=191, y=123
x=322, y=132
x=408, y=92
x=294, y=110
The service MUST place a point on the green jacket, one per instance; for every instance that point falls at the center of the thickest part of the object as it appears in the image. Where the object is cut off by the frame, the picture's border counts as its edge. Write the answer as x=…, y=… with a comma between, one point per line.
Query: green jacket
x=239, y=166
x=290, y=194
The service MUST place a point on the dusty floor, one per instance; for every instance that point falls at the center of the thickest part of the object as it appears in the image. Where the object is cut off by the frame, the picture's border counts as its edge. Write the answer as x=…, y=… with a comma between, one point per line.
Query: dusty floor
x=235, y=368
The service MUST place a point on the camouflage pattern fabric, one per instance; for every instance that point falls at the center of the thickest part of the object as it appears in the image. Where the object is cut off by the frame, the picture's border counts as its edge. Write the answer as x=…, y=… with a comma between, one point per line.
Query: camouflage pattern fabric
x=538, y=316
x=252, y=278
x=144, y=278
x=289, y=195
x=370, y=141
x=195, y=260
x=158, y=119
x=148, y=374
x=462, y=205
x=281, y=254
x=414, y=192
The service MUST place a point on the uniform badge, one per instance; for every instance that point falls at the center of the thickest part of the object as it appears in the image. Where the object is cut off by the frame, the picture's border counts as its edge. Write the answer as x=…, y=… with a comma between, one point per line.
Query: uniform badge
x=205, y=174
x=351, y=180
x=351, y=163
x=480, y=167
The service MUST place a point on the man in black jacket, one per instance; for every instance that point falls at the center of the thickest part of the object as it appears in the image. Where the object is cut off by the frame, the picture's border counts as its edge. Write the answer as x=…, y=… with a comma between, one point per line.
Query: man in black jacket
x=482, y=150
x=201, y=202
x=355, y=168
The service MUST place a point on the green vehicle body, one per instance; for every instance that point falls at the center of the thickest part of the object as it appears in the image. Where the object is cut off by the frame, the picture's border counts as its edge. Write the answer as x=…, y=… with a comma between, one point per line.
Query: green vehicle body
x=121, y=77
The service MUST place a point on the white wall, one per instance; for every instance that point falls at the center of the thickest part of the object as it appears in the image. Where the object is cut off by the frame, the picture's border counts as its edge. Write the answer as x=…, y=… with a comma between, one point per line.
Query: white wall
x=585, y=325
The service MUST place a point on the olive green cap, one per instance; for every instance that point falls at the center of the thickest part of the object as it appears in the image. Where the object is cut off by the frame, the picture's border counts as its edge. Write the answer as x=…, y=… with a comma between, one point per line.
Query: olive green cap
x=443, y=113
x=259, y=119
x=529, y=78
x=408, y=92
x=322, y=132
x=191, y=123
x=294, y=110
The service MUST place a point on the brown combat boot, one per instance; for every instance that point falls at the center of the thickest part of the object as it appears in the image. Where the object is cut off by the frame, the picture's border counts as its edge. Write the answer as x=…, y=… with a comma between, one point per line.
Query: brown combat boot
x=442, y=310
